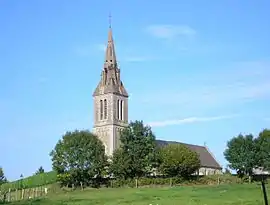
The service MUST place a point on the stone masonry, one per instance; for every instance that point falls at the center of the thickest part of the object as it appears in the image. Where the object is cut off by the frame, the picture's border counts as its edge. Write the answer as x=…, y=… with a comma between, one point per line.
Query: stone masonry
x=110, y=102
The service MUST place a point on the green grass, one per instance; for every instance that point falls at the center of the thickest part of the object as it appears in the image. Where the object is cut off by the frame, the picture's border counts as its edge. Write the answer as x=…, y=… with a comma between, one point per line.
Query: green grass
x=237, y=194
x=32, y=181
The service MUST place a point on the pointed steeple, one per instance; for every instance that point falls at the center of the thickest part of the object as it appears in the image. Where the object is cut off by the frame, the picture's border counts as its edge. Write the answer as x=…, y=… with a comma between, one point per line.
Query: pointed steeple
x=110, y=76
x=110, y=56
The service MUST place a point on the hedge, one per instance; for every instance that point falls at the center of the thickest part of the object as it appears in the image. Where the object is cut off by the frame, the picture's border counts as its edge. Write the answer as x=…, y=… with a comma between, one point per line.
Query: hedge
x=203, y=180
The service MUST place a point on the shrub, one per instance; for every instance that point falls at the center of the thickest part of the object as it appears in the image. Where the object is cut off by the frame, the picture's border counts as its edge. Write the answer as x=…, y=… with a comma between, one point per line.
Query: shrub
x=178, y=160
x=174, y=181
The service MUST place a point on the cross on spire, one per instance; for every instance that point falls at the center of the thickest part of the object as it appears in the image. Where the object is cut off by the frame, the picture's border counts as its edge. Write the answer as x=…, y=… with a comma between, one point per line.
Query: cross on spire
x=110, y=56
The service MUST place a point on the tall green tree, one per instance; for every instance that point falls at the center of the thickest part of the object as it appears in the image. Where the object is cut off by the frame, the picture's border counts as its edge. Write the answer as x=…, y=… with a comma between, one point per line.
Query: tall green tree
x=178, y=160
x=241, y=153
x=2, y=176
x=79, y=157
x=263, y=149
x=120, y=164
x=40, y=170
x=138, y=152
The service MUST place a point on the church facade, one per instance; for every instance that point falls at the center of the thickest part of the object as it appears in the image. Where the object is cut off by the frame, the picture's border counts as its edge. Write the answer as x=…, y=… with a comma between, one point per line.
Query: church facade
x=111, y=112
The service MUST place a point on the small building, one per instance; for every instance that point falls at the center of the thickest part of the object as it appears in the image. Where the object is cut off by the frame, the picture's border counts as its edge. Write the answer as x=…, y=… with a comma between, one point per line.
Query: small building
x=260, y=171
x=209, y=165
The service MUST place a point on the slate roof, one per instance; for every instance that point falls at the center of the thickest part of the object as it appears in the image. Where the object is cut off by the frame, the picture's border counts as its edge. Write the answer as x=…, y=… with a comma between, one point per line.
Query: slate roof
x=206, y=158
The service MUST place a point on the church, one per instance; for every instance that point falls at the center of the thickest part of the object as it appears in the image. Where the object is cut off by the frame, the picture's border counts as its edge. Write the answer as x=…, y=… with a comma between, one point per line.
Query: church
x=111, y=112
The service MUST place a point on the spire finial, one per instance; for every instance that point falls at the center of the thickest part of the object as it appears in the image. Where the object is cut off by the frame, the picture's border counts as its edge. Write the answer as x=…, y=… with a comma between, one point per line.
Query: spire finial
x=110, y=20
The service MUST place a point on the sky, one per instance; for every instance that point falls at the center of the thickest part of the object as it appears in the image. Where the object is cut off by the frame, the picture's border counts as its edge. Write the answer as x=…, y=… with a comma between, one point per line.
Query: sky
x=196, y=71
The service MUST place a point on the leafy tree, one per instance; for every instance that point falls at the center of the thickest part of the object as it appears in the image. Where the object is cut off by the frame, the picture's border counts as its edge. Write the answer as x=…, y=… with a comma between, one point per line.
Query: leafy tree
x=40, y=170
x=241, y=154
x=178, y=160
x=120, y=164
x=137, y=155
x=263, y=149
x=2, y=176
x=79, y=156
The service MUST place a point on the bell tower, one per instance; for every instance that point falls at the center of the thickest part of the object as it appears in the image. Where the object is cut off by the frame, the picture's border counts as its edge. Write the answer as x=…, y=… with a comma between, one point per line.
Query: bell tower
x=110, y=101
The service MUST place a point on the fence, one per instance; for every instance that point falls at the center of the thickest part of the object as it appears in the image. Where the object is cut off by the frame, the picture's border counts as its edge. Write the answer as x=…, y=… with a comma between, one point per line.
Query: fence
x=9, y=196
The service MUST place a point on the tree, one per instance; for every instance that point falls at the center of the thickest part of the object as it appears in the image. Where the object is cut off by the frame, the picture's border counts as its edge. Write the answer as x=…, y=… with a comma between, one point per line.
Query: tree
x=241, y=154
x=120, y=164
x=263, y=149
x=178, y=160
x=2, y=176
x=79, y=157
x=40, y=170
x=137, y=156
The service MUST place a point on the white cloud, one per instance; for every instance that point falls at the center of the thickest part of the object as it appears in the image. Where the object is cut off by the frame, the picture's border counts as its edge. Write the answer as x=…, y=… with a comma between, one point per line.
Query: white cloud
x=170, y=31
x=219, y=88
x=189, y=120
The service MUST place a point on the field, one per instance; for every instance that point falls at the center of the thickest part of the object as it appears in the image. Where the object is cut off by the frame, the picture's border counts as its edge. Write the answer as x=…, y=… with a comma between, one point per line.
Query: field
x=31, y=182
x=237, y=194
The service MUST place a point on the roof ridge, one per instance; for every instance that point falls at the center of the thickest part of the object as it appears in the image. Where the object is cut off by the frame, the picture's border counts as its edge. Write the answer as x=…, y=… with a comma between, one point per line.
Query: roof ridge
x=182, y=143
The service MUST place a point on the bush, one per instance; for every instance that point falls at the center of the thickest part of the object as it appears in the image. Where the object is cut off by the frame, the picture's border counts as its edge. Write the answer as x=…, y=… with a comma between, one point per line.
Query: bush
x=174, y=181
x=178, y=161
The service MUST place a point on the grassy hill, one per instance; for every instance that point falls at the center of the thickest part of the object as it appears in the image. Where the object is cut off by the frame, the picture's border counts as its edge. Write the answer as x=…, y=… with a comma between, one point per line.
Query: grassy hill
x=31, y=182
x=244, y=194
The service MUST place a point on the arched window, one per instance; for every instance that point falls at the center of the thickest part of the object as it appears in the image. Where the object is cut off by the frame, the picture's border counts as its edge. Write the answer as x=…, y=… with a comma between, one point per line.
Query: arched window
x=101, y=109
x=122, y=110
x=118, y=109
x=105, y=109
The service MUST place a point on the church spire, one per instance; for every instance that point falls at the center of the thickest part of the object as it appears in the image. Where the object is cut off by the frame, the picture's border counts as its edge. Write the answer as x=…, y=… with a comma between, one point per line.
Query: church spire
x=110, y=81
x=110, y=56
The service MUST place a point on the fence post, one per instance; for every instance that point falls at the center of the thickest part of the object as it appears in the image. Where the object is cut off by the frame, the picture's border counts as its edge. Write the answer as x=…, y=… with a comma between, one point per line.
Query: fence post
x=9, y=195
x=218, y=180
x=40, y=191
x=136, y=183
x=16, y=194
x=170, y=182
x=81, y=185
x=22, y=194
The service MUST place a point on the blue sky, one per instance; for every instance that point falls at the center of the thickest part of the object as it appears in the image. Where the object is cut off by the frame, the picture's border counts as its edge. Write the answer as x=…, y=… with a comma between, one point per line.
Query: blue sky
x=197, y=71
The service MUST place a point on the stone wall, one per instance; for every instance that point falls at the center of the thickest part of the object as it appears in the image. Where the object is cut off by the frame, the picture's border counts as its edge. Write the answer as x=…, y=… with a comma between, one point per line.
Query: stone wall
x=209, y=171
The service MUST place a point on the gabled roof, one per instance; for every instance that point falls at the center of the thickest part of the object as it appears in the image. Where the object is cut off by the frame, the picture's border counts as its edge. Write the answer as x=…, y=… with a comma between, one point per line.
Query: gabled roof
x=206, y=158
